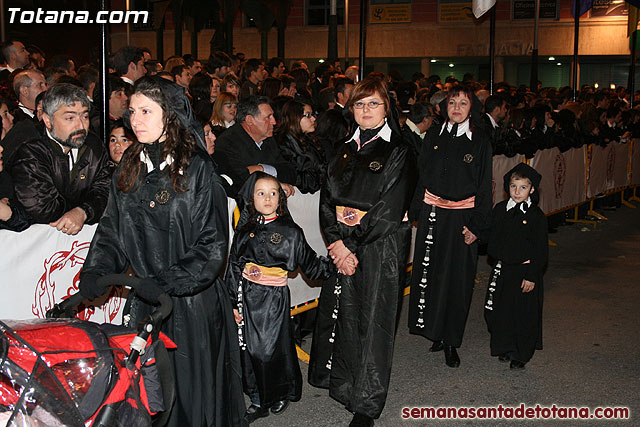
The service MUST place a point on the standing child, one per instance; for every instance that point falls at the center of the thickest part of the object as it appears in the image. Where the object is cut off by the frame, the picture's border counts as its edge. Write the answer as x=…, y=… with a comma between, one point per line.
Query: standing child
x=518, y=243
x=266, y=247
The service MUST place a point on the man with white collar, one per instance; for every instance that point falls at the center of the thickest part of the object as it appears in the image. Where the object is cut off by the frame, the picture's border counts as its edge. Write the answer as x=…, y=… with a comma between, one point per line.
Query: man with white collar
x=343, y=87
x=418, y=122
x=27, y=85
x=61, y=177
x=495, y=108
x=129, y=64
x=16, y=56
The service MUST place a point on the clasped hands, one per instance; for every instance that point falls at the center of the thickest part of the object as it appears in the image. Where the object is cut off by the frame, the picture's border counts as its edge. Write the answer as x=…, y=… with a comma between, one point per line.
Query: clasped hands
x=343, y=258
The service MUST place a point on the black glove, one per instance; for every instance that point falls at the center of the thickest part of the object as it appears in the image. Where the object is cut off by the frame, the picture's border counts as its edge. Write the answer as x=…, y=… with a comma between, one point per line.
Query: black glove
x=149, y=290
x=88, y=286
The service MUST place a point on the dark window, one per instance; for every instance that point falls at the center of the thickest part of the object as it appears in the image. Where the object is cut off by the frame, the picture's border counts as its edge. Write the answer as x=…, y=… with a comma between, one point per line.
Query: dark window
x=317, y=12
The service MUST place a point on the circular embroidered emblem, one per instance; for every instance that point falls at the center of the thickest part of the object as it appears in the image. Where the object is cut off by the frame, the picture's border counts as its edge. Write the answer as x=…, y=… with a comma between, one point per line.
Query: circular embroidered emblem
x=350, y=216
x=251, y=235
x=468, y=158
x=255, y=272
x=435, y=147
x=162, y=196
x=524, y=221
x=276, y=238
x=152, y=204
x=83, y=176
x=375, y=166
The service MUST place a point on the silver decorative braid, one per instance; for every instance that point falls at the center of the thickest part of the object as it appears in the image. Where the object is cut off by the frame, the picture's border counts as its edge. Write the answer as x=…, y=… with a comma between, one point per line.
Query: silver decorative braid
x=492, y=285
x=422, y=301
x=336, y=291
x=243, y=345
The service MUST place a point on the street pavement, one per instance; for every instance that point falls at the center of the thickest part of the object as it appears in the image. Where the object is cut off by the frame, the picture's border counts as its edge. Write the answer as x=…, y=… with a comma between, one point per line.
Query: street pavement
x=591, y=344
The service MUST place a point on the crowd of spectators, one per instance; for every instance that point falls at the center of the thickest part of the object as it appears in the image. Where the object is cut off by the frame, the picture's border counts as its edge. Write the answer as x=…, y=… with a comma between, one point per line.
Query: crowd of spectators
x=280, y=118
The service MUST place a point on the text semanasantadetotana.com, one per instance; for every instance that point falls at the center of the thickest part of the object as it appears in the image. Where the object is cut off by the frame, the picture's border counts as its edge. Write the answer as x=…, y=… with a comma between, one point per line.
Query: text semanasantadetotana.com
x=40, y=16
x=516, y=412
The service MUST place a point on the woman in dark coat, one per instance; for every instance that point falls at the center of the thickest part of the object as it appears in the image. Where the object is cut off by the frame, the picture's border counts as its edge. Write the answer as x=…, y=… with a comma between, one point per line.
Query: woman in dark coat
x=167, y=220
x=362, y=206
x=298, y=147
x=456, y=198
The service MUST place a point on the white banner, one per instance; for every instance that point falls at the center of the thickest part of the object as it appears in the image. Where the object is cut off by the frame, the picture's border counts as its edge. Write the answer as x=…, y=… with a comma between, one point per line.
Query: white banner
x=620, y=176
x=41, y=266
x=501, y=165
x=597, y=173
x=635, y=163
x=563, y=177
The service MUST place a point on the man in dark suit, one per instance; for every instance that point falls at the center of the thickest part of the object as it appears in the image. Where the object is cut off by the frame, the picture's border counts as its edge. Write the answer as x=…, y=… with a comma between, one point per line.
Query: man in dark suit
x=248, y=146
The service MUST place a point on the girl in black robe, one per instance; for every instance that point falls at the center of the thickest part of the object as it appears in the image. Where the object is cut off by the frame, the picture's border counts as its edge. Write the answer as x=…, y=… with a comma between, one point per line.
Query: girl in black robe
x=362, y=206
x=266, y=247
x=518, y=245
x=167, y=220
x=454, y=208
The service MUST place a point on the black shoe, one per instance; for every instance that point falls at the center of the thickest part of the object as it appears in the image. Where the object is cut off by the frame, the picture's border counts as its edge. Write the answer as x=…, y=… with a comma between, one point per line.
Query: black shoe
x=279, y=407
x=360, y=420
x=504, y=357
x=516, y=365
x=437, y=346
x=254, y=412
x=451, y=356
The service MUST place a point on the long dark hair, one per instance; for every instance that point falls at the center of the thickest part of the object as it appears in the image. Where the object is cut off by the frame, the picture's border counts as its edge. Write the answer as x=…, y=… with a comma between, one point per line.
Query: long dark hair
x=290, y=116
x=179, y=143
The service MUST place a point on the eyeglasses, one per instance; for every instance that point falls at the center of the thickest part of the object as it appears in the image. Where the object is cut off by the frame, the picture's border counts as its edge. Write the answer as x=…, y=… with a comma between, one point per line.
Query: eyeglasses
x=359, y=105
x=308, y=115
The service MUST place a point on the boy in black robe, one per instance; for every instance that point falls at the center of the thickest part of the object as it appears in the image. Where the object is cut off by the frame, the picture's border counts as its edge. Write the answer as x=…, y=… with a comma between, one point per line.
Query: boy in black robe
x=518, y=243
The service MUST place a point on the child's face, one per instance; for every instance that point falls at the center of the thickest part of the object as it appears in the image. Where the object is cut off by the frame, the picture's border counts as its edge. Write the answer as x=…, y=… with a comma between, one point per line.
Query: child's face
x=520, y=189
x=265, y=196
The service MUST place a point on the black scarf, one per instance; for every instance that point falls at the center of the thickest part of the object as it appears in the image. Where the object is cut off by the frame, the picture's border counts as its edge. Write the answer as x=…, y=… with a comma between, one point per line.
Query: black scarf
x=367, y=135
x=154, y=152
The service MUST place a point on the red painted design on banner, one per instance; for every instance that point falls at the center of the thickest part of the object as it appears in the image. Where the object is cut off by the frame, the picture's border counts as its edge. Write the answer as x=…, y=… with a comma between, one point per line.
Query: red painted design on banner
x=69, y=261
x=559, y=174
x=611, y=162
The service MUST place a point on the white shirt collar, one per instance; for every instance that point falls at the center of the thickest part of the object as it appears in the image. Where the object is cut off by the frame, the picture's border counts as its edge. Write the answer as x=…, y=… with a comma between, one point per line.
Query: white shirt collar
x=493, y=122
x=144, y=158
x=463, y=128
x=511, y=204
x=27, y=111
x=384, y=133
x=127, y=79
x=74, y=151
x=415, y=129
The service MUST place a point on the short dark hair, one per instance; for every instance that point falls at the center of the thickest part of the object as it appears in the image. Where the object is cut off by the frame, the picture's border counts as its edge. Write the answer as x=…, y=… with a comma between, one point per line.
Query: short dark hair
x=87, y=75
x=273, y=63
x=250, y=106
x=341, y=83
x=493, y=102
x=124, y=56
x=177, y=70
x=325, y=96
x=250, y=66
x=218, y=59
x=114, y=84
x=419, y=111
x=200, y=87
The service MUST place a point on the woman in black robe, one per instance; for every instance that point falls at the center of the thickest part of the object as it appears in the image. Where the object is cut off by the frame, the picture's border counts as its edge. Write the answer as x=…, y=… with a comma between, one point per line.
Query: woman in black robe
x=362, y=206
x=298, y=147
x=455, y=196
x=167, y=220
